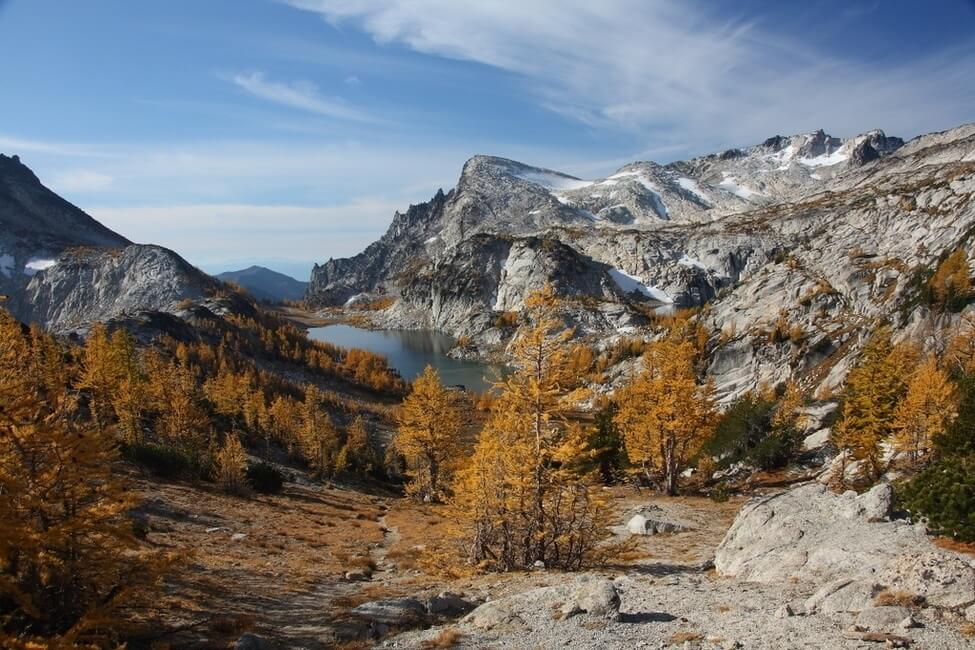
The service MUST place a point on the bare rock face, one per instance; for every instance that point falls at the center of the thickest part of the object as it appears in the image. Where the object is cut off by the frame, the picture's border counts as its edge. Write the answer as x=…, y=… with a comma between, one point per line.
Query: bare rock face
x=941, y=580
x=811, y=534
x=795, y=245
x=845, y=544
x=89, y=285
x=37, y=225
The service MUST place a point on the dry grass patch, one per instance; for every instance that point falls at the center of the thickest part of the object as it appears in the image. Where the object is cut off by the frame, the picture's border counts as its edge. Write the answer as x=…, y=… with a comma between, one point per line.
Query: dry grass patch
x=958, y=546
x=448, y=638
x=683, y=636
x=293, y=546
x=898, y=598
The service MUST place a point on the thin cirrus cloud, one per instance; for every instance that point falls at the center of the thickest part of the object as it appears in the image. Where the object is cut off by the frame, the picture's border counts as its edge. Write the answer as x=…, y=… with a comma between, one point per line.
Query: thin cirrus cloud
x=676, y=72
x=301, y=95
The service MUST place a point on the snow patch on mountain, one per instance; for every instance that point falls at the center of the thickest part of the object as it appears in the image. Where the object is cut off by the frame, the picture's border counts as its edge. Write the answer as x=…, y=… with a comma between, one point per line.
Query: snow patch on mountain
x=551, y=180
x=38, y=264
x=826, y=159
x=630, y=283
x=691, y=186
x=730, y=184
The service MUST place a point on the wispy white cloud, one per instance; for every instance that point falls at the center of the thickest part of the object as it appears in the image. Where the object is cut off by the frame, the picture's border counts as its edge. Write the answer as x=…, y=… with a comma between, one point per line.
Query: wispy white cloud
x=81, y=180
x=675, y=72
x=302, y=95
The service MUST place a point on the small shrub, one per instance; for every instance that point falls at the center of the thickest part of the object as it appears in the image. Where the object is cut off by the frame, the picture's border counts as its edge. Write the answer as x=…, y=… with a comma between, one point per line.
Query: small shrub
x=161, y=460
x=944, y=494
x=719, y=494
x=684, y=636
x=265, y=478
x=506, y=319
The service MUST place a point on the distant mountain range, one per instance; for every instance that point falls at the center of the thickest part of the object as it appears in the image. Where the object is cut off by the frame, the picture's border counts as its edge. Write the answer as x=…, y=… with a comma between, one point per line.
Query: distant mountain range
x=265, y=284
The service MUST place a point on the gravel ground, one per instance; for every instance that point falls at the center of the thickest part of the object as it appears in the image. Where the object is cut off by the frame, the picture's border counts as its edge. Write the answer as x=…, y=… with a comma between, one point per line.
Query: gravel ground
x=692, y=611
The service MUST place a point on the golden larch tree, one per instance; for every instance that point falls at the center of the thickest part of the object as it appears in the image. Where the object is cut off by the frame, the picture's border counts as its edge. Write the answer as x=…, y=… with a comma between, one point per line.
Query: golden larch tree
x=318, y=438
x=951, y=284
x=665, y=413
x=520, y=499
x=357, y=454
x=928, y=407
x=429, y=426
x=68, y=558
x=873, y=389
x=231, y=465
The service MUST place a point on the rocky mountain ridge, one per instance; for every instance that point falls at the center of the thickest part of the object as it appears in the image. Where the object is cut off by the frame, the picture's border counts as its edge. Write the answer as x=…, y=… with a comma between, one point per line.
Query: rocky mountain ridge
x=791, y=227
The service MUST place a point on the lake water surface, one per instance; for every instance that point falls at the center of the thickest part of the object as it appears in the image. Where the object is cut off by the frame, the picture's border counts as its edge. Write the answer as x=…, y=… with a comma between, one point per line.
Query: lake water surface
x=410, y=351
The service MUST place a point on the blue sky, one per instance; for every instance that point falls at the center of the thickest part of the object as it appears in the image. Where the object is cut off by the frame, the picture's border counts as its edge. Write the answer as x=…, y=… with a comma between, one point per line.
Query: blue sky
x=284, y=132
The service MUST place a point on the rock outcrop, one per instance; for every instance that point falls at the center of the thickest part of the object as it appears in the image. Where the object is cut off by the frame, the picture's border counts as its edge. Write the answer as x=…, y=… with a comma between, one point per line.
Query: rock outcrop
x=83, y=286
x=846, y=544
x=586, y=594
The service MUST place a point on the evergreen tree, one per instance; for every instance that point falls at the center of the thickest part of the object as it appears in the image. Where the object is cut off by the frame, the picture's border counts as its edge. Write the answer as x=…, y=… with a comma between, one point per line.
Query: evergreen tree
x=951, y=284
x=232, y=465
x=357, y=454
x=429, y=426
x=317, y=436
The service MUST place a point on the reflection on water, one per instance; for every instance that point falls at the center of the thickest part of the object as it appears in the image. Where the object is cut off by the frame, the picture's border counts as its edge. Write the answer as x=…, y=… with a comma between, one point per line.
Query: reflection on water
x=410, y=351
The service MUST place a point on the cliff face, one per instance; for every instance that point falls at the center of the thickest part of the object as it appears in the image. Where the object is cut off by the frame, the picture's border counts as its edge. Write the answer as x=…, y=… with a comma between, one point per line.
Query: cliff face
x=812, y=233
x=62, y=269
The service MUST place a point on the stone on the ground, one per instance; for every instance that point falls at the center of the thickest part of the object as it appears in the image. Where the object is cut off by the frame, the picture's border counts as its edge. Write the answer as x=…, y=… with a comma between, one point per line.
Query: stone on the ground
x=816, y=440
x=943, y=580
x=640, y=524
x=586, y=594
x=392, y=611
x=785, y=611
x=593, y=596
x=358, y=575
x=448, y=604
x=843, y=595
x=882, y=619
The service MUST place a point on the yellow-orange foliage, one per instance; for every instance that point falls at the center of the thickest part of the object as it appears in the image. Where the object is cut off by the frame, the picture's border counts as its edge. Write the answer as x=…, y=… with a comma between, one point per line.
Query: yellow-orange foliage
x=68, y=558
x=873, y=389
x=929, y=406
x=428, y=435
x=357, y=454
x=951, y=284
x=232, y=465
x=318, y=438
x=666, y=414
x=519, y=501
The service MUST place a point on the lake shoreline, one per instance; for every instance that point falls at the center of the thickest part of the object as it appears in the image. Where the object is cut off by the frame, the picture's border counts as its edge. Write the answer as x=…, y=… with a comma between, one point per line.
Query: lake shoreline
x=410, y=351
